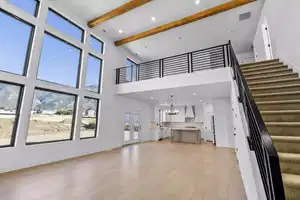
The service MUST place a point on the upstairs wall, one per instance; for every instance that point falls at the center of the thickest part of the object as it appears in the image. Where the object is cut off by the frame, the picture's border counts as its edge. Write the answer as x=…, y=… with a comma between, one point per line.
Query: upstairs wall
x=282, y=18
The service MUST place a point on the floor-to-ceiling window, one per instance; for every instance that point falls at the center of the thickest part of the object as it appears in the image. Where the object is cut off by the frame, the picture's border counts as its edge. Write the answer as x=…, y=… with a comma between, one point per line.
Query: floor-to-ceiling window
x=131, y=71
x=50, y=75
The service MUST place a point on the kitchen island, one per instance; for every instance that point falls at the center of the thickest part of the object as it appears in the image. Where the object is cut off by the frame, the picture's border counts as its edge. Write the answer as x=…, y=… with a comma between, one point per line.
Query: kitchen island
x=186, y=135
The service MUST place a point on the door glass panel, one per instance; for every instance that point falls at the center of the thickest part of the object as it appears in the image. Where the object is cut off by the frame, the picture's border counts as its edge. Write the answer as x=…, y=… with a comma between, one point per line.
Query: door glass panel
x=127, y=127
x=137, y=126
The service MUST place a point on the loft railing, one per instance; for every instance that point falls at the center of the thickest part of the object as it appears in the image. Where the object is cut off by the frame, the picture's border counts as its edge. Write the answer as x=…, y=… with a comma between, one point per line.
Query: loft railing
x=209, y=58
x=259, y=139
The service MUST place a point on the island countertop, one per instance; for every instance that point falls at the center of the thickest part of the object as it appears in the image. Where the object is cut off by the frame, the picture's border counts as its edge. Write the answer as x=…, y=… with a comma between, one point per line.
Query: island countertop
x=185, y=129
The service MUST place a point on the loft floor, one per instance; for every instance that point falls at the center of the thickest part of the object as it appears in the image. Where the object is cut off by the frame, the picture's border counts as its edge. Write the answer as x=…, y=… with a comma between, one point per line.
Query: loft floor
x=148, y=171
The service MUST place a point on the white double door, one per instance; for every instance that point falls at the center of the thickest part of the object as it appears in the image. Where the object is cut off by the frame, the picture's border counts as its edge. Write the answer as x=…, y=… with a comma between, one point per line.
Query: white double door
x=132, y=128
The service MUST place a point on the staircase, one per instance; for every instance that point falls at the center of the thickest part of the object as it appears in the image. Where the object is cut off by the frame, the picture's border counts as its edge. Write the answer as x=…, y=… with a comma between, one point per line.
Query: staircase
x=276, y=91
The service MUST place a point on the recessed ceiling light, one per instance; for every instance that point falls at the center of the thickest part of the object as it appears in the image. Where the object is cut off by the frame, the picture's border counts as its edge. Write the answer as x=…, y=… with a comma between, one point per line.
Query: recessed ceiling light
x=194, y=94
x=153, y=18
x=152, y=97
x=201, y=100
x=120, y=31
x=197, y=2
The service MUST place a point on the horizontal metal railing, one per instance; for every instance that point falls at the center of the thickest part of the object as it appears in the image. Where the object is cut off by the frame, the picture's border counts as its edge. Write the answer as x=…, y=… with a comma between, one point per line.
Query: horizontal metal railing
x=209, y=58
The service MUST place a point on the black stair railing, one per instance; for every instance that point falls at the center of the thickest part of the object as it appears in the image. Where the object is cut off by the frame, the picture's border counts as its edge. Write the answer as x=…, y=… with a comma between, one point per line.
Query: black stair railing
x=259, y=140
x=213, y=57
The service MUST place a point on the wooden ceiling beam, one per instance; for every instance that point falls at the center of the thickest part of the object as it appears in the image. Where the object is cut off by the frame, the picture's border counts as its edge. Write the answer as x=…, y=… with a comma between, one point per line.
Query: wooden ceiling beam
x=186, y=20
x=118, y=11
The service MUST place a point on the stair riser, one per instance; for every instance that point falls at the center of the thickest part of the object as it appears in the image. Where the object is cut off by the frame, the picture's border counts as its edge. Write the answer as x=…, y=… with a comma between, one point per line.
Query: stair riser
x=287, y=147
x=277, y=97
x=286, y=89
x=255, y=79
x=262, y=69
x=286, y=106
x=250, y=75
x=284, y=130
x=290, y=168
x=274, y=84
x=291, y=193
x=281, y=118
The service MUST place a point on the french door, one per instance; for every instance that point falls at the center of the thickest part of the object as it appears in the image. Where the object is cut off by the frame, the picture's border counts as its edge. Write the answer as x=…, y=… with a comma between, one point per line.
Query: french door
x=132, y=128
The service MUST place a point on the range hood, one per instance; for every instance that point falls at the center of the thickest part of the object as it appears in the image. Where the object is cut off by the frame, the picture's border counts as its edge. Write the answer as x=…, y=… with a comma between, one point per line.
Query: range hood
x=190, y=111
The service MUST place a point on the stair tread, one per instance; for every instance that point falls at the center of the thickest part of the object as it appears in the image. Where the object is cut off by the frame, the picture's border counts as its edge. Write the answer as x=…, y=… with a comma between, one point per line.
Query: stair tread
x=261, y=62
x=278, y=102
x=266, y=71
x=289, y=157
x=274, y=81
x=283, y=123
x=275, y=87
x=270, y=76
x=285, y=138
x=277, y=93
x=291, y=180
x=265, y=68
x=280, y=112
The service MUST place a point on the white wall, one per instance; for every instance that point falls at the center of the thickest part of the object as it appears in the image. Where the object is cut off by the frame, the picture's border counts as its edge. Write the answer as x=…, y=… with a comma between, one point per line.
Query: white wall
x=218, y=75
x=223, y=123
x=110, y=133
x=246, y=158
x=284, y=31
x=246, y=57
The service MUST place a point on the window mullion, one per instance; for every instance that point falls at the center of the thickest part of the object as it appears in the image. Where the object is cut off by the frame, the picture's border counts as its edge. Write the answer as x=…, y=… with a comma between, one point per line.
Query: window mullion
x=31, y=74
x=82, y=78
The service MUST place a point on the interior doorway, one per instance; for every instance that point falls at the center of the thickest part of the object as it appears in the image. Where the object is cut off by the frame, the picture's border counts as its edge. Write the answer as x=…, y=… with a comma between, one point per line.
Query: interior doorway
x=132, y=127
x=267, y=40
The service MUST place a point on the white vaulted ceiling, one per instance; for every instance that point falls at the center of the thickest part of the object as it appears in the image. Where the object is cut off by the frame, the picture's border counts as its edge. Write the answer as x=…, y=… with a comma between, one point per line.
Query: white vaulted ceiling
x=204, y=33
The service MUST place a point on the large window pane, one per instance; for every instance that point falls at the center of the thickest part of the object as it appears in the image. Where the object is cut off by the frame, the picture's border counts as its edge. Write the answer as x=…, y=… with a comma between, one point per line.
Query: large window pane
x=59, y=62
x=89, y=118
x=96, y=44
x=29, y=6
x=93, y=74
x=15, y=37
x=51, y=117
x=64, y=25
x=9, y=111
x=131, y=71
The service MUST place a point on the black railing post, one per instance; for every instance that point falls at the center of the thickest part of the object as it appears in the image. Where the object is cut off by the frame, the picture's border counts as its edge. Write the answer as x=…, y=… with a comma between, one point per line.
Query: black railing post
x=188, y=58
x=192, y=68
x=137, y=71
x=162, y=67
x=228, y=58
x=223, y=51
x=117, y=76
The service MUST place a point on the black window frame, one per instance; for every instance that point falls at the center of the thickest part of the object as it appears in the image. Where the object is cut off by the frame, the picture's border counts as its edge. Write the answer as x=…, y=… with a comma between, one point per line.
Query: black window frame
x=72, y=134
x=36, y=10
x=97, y=119
x=100, y=75
x=29, y=45
x=79, y=63
x=96, y=38
x=68, y=20
x=17, y=117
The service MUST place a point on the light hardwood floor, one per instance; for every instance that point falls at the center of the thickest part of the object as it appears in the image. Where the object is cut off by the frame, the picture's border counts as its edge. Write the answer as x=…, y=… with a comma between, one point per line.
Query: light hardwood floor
x=150, y=171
